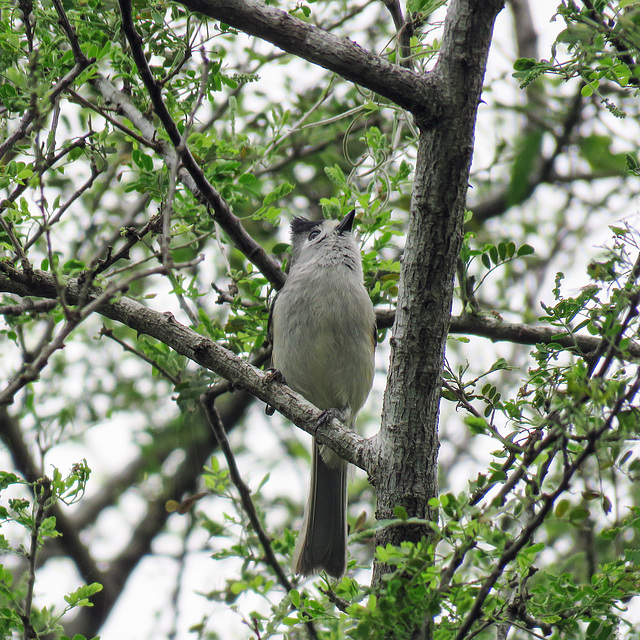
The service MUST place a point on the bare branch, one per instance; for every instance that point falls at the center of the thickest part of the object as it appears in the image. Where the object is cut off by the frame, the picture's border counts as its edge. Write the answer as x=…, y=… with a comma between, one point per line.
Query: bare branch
x=501, y=331
x=409, y=90
x=108, y=333
x=76, y=97
x=28, y=306
x=404, y=31
x=42, y=493
x=21, y=129
x=95, y=172
x=217, y=426
x=209, y=354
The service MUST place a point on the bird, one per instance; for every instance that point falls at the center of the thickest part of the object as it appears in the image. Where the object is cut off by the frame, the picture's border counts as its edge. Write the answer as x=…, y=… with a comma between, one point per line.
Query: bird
x=323, y=333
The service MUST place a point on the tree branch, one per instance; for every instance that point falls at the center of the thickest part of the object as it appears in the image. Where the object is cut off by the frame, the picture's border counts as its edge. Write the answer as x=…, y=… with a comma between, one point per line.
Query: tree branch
x=409, y=90
x=406, y=468
x=194, y=178
x=42, y=493
x=222, y=213
x=217, y=426
x=28, y=306
x=206, y=352
x=546, y=504
x=500, y=331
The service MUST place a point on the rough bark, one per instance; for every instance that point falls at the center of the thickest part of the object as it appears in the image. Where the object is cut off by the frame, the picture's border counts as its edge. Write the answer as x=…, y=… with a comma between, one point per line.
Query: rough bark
x=200, y=349
x=406, y=471
x=498, y=330
x=404, y=87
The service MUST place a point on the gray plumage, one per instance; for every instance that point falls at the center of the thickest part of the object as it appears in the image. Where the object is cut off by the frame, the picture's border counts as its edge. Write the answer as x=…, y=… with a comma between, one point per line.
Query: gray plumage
x=322, y=328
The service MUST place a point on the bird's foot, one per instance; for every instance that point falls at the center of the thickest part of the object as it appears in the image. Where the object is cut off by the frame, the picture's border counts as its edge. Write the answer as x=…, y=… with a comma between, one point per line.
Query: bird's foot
x=329, y=414
x=273, y=375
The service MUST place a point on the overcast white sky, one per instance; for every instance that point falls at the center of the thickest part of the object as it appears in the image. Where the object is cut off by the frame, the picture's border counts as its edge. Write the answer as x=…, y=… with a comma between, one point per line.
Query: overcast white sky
x=143, y=611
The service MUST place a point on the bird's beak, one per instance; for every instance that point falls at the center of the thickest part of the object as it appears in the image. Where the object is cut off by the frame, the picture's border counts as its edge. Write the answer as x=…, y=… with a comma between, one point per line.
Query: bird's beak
x=347, y=222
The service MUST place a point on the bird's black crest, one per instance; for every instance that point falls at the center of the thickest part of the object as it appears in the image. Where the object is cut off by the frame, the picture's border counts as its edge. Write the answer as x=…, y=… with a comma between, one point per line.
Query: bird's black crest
x=302, y=225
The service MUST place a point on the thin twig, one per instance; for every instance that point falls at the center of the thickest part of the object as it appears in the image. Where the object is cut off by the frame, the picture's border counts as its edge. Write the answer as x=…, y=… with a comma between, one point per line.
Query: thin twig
x=95, y=172
x=15, y=243
x=76, y=97
x=21, y=129
x=404, y=31
x=32, y=113
x=338, y=602
x=42, y=492
x=456, y=560
x=546, y=504
x=462, y=399
x=222, y=212
x=50, y=162
x=108, y=333
x=632, y=311
x=28, y=305
x=215, y=422
x=133, y=236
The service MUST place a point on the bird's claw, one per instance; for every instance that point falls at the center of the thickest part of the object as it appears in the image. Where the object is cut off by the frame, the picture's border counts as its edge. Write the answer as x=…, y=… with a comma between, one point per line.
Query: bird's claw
x=273, y=375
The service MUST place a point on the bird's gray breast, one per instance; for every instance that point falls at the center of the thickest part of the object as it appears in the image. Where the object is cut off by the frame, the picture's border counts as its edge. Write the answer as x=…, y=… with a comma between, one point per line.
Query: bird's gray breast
x=322, y=335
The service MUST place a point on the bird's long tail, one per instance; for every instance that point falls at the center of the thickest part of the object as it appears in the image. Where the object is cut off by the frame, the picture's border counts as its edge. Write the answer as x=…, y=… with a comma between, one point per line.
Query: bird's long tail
x=322, y=544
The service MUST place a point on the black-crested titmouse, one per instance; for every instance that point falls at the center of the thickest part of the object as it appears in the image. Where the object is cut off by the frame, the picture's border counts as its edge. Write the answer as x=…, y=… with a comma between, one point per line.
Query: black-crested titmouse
x=322, y=328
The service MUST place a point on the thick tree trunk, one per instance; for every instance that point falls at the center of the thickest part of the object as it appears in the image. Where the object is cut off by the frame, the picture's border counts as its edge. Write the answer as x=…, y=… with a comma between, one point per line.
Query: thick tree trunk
x=406, y=472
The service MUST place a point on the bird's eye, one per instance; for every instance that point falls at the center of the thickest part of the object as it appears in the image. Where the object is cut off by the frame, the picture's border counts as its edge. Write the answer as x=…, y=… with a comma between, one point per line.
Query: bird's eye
x=314, y=234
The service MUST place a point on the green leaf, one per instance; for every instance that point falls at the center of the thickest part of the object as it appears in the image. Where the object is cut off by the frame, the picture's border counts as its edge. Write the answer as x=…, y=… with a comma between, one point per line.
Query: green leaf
x=400, y=512
x=576, y=33
x=280, y=248
x=283, y=189
x=524, y=64
x=595, y=149
x=238, y=587
x=143, y=161
x=79, y=598
x=74, y=265
x=527, y=156
x=247, y=179
x=336, y=175
x=7, y=478
x=525, y=250
x=561, y=508
x=476, y=424
x=579, y=513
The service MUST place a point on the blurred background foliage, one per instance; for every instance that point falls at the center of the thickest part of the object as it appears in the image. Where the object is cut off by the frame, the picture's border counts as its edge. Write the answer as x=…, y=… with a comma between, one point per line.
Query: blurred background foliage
x=85, y=177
